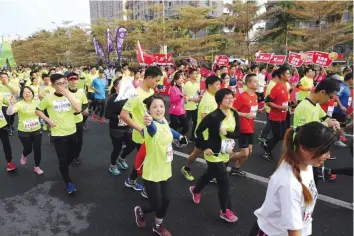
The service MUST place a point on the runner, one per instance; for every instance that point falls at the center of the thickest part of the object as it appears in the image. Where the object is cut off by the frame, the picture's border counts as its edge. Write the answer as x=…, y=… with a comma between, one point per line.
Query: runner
x=178, y=98
x=28, y=126
x=90, y=92
x=61, y=107
x=99, y=87
x=225, y=81
x=157, y=165
x=305, y=85
x=136, y=108
x=278, y=101
x=206, y=105
x=247, y=106
x=81, y=98
x=192, y=90
x=292, y=194
x=119, y=131
x=223, y=126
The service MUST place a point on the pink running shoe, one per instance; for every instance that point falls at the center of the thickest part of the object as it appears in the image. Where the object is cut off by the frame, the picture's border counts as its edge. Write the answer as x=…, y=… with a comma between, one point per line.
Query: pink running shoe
x=195, y=196
x=23, y=160
x=228, y=216
x=139, y=217
x=38, y=170
x=160, y=230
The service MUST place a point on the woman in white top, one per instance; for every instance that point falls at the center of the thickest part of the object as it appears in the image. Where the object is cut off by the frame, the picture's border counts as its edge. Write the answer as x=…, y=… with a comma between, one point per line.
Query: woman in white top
x=292, y=193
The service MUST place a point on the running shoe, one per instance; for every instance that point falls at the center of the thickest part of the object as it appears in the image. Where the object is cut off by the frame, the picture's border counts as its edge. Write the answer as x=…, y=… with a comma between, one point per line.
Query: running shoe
x=160, y=230
x=86, y=127
x=268, y=156
x=134, y=185
x=139, y=217
x=38, y=170
x=213, y=180
x=77, y=160
x=114, y=170
x=101, y=120
x=228, y=216
x=11, y=166
x=94, y=117
x=263, y=144
x=195, y=196
x=186, y=174
x=237, y=171
x=122, y=163
x=70, y=188
x=343, y=138
x=144, y=194
x=339, y=143
x=23, y=160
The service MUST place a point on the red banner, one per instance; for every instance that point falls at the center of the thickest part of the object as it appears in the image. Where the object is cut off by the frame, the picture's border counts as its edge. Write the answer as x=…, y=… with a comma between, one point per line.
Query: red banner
x=296, y=59
x=309, y=58
x=323, y=58
x=277, y=60
x=161, y=59
x=221, y=60
x=264, y=57
x=142, y=56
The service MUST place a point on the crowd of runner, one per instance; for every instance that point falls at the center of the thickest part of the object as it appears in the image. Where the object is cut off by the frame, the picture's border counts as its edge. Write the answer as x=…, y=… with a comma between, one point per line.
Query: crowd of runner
x=209, y=109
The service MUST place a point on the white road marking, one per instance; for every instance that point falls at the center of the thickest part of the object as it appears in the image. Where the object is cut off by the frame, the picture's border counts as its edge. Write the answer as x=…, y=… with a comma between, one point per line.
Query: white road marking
x=264, y=180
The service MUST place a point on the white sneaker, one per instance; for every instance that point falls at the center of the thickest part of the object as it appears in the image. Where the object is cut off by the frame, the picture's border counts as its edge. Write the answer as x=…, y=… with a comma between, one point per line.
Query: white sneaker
x=38, y=170
x=340, y=144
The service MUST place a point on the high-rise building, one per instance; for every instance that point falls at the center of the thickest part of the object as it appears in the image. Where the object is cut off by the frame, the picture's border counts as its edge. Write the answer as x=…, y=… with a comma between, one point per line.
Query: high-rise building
x=110, y=10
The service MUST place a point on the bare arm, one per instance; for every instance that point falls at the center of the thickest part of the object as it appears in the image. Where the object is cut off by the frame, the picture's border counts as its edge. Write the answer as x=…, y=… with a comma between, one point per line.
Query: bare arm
x=124, y=115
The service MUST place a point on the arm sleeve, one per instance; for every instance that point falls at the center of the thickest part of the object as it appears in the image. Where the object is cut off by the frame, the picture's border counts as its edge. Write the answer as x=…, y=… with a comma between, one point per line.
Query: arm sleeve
x=151, y=129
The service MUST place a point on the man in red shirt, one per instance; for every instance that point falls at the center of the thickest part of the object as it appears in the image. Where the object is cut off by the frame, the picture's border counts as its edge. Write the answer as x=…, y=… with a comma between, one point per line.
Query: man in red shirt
x=277, y=100
x=246, y=105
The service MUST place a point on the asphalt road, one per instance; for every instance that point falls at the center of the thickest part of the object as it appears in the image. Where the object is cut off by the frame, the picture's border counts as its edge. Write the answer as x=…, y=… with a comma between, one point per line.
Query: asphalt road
x=32, y=205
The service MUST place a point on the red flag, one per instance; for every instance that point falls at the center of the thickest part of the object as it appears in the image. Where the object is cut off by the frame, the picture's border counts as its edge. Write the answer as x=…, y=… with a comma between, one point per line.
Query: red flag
x=162, y=59
x=143, y=57
x=264, y=57
x=309, y=56
x=296, y=59
x=323, y=58
x=277, y=60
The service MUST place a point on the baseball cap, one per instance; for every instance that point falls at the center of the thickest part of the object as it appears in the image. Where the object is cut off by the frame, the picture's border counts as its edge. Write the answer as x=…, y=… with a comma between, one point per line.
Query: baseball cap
x=72, y=75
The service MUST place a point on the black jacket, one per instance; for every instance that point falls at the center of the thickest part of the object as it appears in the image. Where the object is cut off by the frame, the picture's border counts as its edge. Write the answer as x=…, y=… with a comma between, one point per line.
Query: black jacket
x=212, y=122
x=113, y=110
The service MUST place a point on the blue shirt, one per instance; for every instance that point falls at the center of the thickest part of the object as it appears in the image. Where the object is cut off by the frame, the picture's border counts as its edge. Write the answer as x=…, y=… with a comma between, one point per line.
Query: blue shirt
x=343, y=95
x=100, y=85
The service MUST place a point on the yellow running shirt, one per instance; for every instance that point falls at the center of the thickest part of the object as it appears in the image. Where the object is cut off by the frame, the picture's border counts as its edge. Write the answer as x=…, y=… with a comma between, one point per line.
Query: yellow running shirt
x=28, y=121
x=306, y=83
x=89, y=78
x=82, y=99
x=36, y=91
x=3, y=101
x=157, y=164
x=207, y=104
x=137, y=109
x=61, y=112
x=229, y=124
x=191, y=89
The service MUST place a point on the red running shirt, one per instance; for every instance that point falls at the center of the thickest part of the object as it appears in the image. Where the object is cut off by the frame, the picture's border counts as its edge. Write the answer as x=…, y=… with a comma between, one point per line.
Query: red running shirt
x=328, y=107
x=280, y=97
x=246, y=103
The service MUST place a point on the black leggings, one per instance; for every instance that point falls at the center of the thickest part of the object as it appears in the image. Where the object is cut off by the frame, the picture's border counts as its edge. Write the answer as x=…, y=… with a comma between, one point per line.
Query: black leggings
x=193, y=115
x=118, y=137
x=256, y=231
x=9, y=119
x=218, y=171
x=134, y=174
x=180, y=121
x=4, y=136
x=65, y=147
x=159, y=197
x=32, y=141
x=266, y=129
x=99, y=106
x=278, y=130
x=79, y=138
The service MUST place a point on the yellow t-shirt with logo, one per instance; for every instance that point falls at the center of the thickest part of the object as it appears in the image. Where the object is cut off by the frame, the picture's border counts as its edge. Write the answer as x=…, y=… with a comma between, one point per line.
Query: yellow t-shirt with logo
x=82, y=99
x=6, y=91
x=207, y=104
x=89, y=78
x=28, y=121
x=3, y=101
x=157, y=166
x=191, y=89
x=137, y=109
x=14, y=81
x=306, y=83
x=61, y=112
x=229, y=124
x=46, y=90
x=269, y=89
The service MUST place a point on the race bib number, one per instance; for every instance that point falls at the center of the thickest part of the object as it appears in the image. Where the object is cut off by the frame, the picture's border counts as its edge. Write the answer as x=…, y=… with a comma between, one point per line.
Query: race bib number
x=284, y=104
x=169, y=157
x=61, y=105
x=330, y=111
x=227, y=146
x=30, y=124
x=121, y=122
x=2, y=117
x=350, y=101
x=254, y=110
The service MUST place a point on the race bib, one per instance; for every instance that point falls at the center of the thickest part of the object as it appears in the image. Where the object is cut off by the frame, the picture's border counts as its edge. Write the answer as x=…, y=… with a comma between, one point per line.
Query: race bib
x=2, y=117
x=330, y=111
x=169, y=157
x=31, y=124
x=227, y=146
x=121, y=122
x=350, y=101
x=284, y=104
x=254, y=110
x=61, y=105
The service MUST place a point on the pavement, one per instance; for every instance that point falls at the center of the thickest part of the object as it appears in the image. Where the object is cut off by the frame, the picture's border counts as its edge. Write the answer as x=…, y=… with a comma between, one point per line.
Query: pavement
x=32, y=205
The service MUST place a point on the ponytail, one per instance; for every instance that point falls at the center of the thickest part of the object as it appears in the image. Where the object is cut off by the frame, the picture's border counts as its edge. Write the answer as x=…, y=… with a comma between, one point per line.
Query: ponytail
x=291, y=144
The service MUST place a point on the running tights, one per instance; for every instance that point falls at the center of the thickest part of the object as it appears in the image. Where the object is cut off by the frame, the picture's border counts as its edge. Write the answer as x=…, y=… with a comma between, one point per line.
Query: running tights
x=9, y=119
x=79, y=138
x=4, y=136
x=193, y=115
x=218, y=171
x=159, y=197
x=117, y=141
x=99, y=106
x=266, y=129
x=278, y=130
x=32, y=141
x=179, y=123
